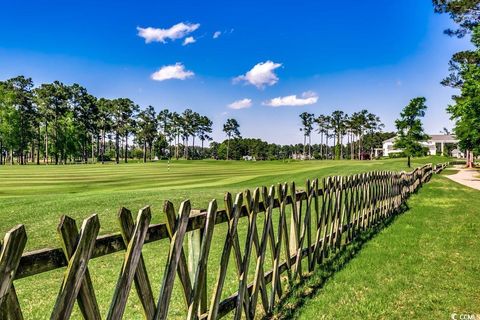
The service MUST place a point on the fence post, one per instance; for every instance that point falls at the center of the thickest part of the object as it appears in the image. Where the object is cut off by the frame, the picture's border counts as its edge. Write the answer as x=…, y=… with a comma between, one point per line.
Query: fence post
x=10, y=253
x=194, y=242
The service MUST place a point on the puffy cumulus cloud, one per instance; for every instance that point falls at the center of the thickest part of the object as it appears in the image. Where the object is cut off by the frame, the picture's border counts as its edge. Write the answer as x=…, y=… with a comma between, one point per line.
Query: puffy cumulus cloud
x=174, y=71
x=261, y=75
x=241, y=104
x=189, y=40
x=217, y=34
x=307, y=98
x=178, y=31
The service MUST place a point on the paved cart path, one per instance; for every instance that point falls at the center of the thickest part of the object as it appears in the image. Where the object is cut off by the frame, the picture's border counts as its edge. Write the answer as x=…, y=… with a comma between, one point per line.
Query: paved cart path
x=467, y=177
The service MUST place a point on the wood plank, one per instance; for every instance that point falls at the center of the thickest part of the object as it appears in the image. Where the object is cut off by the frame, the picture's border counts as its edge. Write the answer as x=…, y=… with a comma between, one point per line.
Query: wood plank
x=252, y=205
x=47, y=259
x=77, y=266
x=229, y=241
x=87, y=301
x=263, y=246
x=176, y=247
x=200, y=279
x=142, y=281
x=182, y=271
x=130, y=264
x=10, y=309
x=11, y=250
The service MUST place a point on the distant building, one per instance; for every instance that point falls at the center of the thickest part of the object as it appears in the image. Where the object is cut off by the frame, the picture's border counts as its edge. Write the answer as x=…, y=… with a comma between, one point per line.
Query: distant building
x=436, y=145
x=248, y=158
x=301, y=156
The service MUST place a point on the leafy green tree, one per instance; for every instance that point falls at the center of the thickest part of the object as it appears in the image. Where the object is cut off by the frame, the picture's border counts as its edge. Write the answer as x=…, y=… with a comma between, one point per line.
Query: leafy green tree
x=124, y=111
x=204, y=130
x=147, y=130
x=466, y=13
x=21, y=115
x=464, y=72
x=466, y=111
x=176, y=130
x=86, y=115
x=338, y=121
x=231, y=129
x=187, y=128
x=52, y=99
x=8, y=122
x=307, y=120
x=104, y=123
x=409, y=128
x=373, y=125
x=323, y=123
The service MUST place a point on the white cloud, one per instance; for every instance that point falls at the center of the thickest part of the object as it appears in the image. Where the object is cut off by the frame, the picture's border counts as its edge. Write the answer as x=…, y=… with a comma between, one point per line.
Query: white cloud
x=307, y=98
x=189, y=40
x=217, y=34
x=261, y=75
x=178, y=31
x=174, y=71
x=241, y=104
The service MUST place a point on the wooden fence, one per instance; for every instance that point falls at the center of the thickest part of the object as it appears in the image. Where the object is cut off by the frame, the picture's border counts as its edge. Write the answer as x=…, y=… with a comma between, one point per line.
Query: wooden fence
x=323, y=218
x=440, y=166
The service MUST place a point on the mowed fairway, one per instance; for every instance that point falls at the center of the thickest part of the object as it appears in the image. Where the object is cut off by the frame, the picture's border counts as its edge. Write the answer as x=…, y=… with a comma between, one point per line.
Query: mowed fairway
x=37, y=196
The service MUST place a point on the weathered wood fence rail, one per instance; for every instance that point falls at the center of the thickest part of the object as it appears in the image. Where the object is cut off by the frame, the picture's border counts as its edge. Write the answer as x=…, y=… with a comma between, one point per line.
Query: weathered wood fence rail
x=323, y=218
x=440, y=166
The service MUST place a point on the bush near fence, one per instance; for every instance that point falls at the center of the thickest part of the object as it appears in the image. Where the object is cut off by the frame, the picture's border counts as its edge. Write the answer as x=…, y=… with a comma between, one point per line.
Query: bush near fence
x=323, y=218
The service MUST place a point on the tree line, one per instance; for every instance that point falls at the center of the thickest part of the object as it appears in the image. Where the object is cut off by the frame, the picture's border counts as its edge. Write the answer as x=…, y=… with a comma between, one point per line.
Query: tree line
x=339, y=126
x=57, y=123
x=261, y=150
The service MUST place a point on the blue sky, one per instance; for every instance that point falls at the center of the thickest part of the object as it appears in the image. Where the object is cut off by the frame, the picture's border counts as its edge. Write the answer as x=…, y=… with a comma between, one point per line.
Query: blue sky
x=314, y=56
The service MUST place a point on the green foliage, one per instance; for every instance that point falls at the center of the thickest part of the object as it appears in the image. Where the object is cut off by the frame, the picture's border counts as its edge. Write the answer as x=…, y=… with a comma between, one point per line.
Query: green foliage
x=466, y=110
x=66, y=124
x=17, y=115
x=409, y=128
x=396, y=155
x=231, y=130
x=231, y=127
x=466, y=13
x=375, y=139
x=465, y=74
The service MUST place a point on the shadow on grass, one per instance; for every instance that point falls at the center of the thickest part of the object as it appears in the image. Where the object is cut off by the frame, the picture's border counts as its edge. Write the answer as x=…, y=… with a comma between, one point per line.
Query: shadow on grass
x=311, y=283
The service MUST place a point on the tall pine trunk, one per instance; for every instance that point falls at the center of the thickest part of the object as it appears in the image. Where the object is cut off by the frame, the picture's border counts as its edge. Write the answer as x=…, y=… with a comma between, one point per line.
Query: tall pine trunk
x=144, y=151
x=46, y=143
x=193, y=147
x=321, y=145
x=304, y=144
x=228, y=146
x=126, y=146
x=103, y=146
x=117, y=148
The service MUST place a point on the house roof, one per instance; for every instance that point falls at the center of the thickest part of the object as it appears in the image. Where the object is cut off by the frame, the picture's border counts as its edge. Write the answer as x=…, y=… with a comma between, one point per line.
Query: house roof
x=434, y=138
x=443, y=137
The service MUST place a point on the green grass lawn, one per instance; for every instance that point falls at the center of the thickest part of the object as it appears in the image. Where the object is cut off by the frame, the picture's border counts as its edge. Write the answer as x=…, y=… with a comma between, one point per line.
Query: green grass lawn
x=38, y=195
x=424, y=265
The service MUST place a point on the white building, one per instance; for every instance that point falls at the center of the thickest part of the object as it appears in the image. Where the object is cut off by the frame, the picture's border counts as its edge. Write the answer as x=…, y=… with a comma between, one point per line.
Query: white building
x=436, y=145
